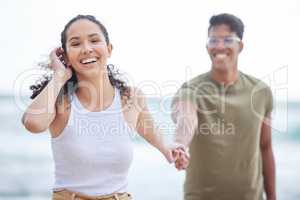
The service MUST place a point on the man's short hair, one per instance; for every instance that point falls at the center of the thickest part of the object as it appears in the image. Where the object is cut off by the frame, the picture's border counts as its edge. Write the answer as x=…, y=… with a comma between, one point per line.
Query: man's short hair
x=235, y=24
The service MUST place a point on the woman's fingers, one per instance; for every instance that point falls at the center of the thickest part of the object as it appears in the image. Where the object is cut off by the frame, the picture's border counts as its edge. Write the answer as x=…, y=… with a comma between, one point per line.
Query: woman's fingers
x=182, y=160
x=56, y=54
x=169, y=155
x=59, y=51
x=53, y=55
x=56, y=58
x=175, y=154
x=179, y=155
x=57, y=64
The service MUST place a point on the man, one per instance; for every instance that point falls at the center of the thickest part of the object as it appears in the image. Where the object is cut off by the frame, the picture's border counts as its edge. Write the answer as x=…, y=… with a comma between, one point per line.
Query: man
x=223, y=116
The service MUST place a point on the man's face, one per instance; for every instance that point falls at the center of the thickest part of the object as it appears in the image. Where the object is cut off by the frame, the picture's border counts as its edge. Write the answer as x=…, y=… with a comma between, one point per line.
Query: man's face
x=223, y=47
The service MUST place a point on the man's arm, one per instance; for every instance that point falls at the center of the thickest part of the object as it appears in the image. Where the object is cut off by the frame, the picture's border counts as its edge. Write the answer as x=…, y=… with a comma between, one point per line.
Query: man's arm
x=268, y=159
x=184, y=115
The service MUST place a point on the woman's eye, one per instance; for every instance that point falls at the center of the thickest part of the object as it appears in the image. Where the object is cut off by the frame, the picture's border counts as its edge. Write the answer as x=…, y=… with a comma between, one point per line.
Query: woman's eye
x=95, y=41
x=75, y=44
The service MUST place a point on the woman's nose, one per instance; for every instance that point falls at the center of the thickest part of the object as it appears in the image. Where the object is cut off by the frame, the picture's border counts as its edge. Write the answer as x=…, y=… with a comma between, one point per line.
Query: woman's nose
x=86, y=48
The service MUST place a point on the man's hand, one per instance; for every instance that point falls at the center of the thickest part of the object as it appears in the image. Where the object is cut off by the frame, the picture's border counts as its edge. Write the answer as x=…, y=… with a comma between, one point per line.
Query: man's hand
x=181, y=157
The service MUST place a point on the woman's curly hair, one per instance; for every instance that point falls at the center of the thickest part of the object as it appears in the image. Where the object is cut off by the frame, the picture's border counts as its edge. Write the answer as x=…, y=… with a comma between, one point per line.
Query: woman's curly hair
x=71, y=85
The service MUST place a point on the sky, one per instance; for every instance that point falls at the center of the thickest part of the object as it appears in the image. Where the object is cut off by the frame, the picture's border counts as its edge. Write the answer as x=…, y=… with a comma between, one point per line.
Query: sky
x=158, y=44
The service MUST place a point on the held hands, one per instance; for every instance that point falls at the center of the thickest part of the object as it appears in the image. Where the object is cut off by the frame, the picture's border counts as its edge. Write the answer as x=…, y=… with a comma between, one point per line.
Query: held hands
x=182, y=158
x=58, y=64
x=177, y=154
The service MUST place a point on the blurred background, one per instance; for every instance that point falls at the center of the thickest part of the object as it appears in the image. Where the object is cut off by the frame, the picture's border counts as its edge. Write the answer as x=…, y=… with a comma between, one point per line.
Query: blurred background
x=158, y=45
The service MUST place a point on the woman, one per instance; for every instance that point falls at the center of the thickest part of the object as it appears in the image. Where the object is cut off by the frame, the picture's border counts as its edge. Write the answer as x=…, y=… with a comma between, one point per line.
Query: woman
x=91, y=115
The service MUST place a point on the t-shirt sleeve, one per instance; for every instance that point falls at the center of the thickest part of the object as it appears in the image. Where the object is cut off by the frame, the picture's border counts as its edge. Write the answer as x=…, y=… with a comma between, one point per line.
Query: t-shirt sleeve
x=185, y=93
x=269, y=102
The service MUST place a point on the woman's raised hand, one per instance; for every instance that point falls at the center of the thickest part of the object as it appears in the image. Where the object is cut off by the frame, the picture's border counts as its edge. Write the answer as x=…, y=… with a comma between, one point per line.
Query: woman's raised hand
x=58, y=64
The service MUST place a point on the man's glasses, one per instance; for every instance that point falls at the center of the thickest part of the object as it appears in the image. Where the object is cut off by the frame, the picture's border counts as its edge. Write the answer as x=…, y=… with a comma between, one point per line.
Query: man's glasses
x=213, y=42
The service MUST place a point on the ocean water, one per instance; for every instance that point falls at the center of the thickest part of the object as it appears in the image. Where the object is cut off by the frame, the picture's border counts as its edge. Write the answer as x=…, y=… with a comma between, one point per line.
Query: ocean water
x=26, y=165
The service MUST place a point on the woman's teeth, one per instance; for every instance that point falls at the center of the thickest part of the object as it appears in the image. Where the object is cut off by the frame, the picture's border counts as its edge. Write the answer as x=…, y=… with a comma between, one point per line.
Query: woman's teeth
x=88, y=60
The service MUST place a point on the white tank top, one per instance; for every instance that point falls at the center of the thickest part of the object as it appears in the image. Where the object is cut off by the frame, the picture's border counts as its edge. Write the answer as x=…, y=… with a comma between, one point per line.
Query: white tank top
x=93, y=153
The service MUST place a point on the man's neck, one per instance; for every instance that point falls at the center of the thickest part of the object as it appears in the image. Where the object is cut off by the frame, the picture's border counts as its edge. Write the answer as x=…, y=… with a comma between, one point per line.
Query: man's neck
x=227, y=77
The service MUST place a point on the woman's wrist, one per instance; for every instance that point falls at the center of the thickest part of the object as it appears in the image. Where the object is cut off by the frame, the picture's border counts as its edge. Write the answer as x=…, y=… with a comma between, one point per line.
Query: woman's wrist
x=59, y=77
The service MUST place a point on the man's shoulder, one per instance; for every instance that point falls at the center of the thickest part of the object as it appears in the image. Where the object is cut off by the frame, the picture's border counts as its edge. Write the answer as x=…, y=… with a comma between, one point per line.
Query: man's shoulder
x=253, y=82
x=196, y=81
x=188, y=90
x=259, y=89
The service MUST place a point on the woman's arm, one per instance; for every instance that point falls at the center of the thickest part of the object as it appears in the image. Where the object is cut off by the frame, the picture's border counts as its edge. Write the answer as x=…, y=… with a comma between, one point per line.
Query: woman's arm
x=151, y=133
x=41, y=112
x=146, y=126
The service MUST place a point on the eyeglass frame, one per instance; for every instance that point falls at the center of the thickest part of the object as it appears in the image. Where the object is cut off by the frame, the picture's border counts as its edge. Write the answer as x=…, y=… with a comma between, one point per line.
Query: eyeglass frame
x=218, y=40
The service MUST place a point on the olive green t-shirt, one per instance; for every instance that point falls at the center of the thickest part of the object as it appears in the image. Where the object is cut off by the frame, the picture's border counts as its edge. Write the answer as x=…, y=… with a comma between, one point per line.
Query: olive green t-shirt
x=225, y=161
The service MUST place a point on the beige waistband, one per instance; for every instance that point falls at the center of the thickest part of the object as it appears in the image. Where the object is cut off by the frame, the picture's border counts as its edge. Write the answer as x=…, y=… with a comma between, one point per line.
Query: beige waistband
x=71, y=195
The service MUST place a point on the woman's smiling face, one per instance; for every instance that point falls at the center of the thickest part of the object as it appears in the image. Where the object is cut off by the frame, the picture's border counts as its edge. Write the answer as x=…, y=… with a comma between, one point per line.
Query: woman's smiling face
x=87, y=49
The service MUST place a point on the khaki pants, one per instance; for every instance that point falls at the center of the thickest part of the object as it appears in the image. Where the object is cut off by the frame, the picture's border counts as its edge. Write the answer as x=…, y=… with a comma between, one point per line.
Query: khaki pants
x=70, y=195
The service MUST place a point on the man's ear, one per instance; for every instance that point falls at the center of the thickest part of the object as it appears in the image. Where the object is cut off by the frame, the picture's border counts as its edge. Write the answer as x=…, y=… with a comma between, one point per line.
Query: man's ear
x=110, y=48
x=241, y=46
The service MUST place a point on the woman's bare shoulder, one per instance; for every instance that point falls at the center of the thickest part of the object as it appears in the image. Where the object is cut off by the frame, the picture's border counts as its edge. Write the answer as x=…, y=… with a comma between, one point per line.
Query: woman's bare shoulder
x=135, y=98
